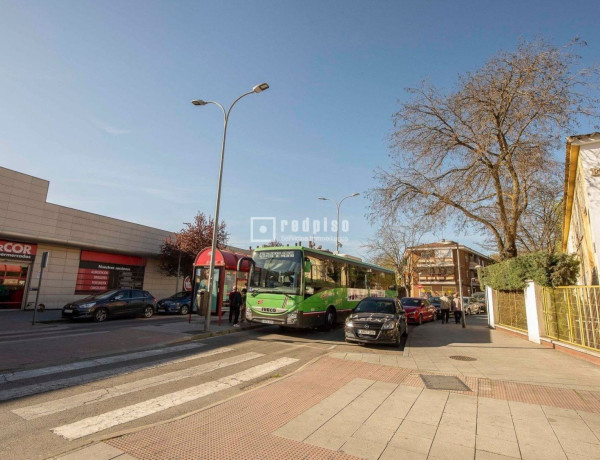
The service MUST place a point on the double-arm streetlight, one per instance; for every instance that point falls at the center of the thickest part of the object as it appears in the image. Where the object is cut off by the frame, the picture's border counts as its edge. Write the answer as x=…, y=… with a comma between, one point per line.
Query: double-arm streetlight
x=337, y=238
x=211, y=272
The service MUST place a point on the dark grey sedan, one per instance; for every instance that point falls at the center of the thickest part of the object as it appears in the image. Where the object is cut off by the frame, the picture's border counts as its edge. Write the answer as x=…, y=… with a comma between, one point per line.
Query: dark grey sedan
x=377, y=320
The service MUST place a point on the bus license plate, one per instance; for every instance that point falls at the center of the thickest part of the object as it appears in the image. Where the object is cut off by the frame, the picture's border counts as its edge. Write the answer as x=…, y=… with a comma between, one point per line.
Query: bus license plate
x=268, y=321
x=68, y=310
x=367, y=332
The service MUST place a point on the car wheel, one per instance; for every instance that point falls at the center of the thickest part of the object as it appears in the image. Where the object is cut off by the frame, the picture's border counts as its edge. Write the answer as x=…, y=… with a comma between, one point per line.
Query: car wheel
x=185, y=309
x=148, y=311
x=100, y=315
x=420, y=320
x=405, y=333
x=397, y=341
x=329, y=319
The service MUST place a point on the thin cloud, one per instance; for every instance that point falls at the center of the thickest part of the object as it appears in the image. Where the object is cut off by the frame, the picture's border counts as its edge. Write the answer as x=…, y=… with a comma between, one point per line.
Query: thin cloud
x=109, y=129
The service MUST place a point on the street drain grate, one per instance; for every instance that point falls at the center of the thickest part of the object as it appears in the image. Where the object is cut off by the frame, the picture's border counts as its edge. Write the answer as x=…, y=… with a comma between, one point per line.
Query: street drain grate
x=463, y=358
x=444, y=382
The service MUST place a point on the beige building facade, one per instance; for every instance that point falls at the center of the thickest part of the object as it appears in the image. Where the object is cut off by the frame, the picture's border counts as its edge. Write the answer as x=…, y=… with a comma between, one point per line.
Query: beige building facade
x=581, y=224
x=87, y=252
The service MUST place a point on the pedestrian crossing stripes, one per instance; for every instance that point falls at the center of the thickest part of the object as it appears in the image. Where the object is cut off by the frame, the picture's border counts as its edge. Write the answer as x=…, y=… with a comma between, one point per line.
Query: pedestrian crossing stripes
x=126, y=414
x=59, y=405
x=57, y=384
x=20, y=375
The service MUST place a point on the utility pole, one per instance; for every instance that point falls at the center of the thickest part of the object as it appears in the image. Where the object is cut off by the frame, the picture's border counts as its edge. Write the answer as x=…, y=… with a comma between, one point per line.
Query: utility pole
x=460, y=294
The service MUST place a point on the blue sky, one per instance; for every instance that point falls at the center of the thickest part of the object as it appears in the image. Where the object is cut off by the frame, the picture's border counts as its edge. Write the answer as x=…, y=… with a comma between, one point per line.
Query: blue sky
x=96, y=98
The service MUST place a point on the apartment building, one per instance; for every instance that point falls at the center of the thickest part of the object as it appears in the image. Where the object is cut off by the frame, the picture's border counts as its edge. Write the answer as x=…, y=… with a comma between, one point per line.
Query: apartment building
x=436, y=267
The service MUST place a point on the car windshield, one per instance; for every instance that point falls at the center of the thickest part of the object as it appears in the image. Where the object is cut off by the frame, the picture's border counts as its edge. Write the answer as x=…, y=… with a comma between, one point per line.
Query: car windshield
x=435, y=300
x=181, y=295
x=102, y=295
x=409, y=302
x=276, y=271
x=375, y=306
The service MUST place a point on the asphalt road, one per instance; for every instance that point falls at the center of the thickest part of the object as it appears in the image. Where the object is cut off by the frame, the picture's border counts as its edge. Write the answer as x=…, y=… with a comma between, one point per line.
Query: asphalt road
x=81, y=382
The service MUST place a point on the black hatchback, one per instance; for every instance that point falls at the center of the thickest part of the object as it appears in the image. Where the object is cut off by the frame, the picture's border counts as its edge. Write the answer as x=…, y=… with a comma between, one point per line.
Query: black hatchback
x=110, y=304
x=377, y=320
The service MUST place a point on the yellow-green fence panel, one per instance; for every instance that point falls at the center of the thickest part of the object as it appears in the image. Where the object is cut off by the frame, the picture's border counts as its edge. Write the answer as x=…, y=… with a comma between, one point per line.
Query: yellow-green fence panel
x=572, y=314
x=511, y=309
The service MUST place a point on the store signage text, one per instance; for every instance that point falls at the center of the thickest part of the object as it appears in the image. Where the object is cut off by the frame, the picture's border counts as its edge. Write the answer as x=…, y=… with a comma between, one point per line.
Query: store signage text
x=14, y=250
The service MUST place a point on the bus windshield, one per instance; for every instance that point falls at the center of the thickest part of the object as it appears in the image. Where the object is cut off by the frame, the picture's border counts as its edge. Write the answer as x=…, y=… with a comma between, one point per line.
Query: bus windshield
x=276, y=271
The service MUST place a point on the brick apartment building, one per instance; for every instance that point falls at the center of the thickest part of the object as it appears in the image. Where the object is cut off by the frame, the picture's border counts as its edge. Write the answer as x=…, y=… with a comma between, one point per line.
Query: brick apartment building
x=435, y=268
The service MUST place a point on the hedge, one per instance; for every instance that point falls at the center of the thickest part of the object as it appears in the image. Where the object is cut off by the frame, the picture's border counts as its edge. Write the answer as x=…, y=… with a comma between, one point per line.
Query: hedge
x=549, y=270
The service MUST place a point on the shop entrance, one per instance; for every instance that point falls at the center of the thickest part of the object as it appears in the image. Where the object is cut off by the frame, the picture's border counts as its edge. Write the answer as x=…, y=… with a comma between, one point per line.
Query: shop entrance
x=13, y=278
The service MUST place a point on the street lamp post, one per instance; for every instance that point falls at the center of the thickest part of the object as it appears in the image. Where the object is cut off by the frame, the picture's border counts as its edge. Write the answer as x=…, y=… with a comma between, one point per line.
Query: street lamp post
x=337, y=237
x=211, y=272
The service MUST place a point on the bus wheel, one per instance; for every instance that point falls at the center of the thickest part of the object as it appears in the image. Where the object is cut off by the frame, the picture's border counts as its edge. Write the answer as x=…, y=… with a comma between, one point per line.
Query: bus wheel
x=330, y=317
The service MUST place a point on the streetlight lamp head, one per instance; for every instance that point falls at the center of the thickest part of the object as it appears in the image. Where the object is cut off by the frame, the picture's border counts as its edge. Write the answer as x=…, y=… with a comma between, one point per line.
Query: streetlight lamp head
x=199, y=102
x=355, y=194
x=321, y=198
x=261, y=87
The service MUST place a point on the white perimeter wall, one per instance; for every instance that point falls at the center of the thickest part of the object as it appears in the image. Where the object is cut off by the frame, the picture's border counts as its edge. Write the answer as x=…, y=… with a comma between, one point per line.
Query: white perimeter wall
x=590, y=158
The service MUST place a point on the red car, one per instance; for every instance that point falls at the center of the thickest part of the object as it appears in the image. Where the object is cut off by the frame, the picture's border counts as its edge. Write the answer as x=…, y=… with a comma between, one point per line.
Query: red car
x=418, y=310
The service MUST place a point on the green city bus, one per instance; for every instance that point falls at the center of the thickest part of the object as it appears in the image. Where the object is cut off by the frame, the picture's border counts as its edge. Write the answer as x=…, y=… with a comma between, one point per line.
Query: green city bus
x=301, y=287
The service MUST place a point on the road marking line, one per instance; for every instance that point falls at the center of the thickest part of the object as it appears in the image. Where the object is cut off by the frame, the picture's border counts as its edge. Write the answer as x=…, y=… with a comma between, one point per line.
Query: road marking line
x=51, y=385
x=36, y=331
x=92, y=397
x=32, y=339
x=20, y=375
x=126, y=414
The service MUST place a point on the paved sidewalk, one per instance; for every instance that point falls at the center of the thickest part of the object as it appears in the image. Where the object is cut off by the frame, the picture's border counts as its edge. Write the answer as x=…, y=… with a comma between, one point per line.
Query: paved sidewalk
x=520, y=401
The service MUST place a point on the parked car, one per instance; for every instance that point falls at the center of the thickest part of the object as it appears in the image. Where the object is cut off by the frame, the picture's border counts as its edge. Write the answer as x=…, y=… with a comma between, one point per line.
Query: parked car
x=177, y=303
x=479, y=297
x=376, y=320
x=471, y=307
x=418, y=310
x=110, y=304
x=437, y=303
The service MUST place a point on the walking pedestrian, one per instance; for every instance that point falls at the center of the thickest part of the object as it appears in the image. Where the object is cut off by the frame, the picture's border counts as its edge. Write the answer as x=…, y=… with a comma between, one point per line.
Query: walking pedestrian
x=457, y=308
x=445, y=308
x=235, y=302
x=243, y=309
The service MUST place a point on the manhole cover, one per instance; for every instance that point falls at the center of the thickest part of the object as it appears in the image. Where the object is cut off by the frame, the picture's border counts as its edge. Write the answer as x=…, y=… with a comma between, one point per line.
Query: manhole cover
x=444, y=382
x=463, y=358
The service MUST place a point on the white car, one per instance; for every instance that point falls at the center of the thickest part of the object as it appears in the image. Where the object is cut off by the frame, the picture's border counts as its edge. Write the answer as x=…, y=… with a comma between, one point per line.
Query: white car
x=472, y=306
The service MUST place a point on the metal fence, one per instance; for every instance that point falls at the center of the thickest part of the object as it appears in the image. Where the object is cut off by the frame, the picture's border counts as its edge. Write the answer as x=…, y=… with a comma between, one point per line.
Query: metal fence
x=511, y=309
x=571, y=314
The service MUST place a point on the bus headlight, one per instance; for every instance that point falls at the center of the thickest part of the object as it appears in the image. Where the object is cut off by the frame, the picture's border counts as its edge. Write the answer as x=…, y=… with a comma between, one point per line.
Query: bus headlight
x=349, y=323
x=248, y=313
x=388, y=325
x=292, y=318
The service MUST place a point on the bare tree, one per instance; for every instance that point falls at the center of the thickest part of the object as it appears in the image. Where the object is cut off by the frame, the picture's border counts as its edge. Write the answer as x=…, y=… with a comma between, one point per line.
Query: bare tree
x=480, y=151
x=273, y=243
x=389, y=249
x=540, y=228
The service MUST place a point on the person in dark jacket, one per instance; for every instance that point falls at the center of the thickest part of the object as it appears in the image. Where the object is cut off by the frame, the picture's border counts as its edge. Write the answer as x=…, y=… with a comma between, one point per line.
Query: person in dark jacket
x=235, y=302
